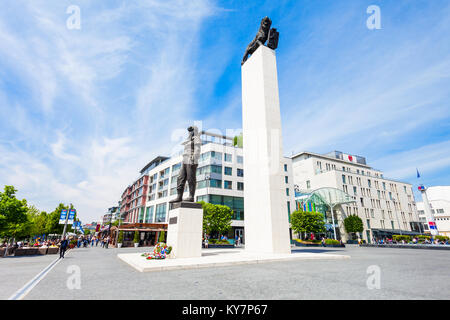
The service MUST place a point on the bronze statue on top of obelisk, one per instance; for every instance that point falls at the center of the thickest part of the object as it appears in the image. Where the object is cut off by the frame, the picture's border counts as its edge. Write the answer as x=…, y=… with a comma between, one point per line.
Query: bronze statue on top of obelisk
x=263, y=34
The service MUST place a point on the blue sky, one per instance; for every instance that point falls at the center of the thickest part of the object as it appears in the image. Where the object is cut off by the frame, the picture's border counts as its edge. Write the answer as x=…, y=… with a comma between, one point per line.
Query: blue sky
x=82, y=111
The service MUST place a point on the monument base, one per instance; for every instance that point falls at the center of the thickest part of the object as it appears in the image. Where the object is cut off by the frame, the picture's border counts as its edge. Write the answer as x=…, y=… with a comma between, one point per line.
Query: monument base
x=184, y=232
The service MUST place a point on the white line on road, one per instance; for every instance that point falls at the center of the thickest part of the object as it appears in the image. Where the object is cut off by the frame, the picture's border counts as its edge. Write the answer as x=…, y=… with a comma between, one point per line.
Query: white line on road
x=22, y=292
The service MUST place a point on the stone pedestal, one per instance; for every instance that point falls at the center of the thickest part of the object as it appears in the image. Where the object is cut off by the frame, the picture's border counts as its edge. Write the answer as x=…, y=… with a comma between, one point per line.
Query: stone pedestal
x=265, y=205
x=184, y=232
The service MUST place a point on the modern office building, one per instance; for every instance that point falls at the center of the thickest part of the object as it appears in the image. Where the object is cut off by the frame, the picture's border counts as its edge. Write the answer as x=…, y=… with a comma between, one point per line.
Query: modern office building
x=439, y=199
x=386, y=206
x=219, y=181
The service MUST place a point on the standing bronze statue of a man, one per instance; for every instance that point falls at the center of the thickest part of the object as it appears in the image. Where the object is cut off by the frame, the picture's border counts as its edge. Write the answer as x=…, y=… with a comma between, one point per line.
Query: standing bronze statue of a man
x=188, y=172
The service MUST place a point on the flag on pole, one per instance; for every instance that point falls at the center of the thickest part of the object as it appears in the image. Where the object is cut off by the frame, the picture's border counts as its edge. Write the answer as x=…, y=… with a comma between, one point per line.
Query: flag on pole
x=418, y=174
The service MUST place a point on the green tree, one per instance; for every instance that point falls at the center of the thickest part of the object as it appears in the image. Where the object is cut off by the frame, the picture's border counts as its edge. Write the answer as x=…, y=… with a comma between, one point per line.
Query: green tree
x=120, y=238
x=238, y=141
x=13, y=214
x=216, y=218
x=307, y=222
x=136, y=237
x=52, y=225
x=353, y=224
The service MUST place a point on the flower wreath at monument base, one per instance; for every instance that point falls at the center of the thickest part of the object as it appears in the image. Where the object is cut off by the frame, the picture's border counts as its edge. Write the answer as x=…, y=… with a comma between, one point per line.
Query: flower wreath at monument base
x=161, y=251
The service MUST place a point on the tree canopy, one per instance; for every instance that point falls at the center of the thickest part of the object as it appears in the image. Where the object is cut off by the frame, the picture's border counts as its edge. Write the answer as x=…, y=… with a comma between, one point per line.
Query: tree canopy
x=307, y=222
x=216, y=218
x=13, y=213
x=353, y=224
x=20, y=221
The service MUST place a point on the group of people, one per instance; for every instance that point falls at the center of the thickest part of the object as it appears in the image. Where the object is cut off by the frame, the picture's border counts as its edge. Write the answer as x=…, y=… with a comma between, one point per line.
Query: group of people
x=92, y=241
x=415, y=240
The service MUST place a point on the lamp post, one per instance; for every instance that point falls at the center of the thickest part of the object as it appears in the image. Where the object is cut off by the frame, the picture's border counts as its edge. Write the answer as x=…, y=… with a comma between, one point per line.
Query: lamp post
x=67, y=219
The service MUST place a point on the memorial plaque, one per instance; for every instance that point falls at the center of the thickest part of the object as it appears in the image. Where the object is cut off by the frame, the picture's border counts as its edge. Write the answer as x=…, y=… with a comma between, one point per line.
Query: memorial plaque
x=173, y=220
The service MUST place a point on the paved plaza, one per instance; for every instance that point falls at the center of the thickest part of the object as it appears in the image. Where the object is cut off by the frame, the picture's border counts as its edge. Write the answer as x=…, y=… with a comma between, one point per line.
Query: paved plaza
x=404, y=274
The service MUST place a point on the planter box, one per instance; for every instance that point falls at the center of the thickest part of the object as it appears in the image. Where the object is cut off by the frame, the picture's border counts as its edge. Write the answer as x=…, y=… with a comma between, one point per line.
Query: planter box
x=220, y=246
x=20, y=252
x=52, y=250
x=42, y=251
x=136, y=245
x=119, y=245
x=298, y=244
x=2, y=252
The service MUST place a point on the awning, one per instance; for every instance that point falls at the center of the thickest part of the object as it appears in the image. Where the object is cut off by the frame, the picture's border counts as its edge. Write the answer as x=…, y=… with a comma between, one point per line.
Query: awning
x=396, y=231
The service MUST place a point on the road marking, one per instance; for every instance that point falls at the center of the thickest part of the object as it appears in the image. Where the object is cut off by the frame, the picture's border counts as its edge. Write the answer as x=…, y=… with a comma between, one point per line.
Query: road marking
x=22, y=292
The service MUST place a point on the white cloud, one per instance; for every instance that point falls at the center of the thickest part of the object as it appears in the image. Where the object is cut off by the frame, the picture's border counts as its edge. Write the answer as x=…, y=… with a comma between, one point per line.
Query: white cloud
x=102, y=98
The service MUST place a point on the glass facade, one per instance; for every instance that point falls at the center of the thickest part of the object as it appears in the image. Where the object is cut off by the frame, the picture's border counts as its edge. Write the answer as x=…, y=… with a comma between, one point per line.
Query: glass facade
x=234, y=203
x=209, y=169
x=149, y=215
x=160, y=215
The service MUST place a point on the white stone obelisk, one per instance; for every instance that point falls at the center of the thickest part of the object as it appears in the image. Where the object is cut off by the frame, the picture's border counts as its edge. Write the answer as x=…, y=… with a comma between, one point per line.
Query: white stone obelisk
x=266, y=217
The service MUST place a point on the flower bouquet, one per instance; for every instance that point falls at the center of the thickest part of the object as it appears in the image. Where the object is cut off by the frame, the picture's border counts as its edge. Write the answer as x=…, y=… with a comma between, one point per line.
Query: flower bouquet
x=160, y=252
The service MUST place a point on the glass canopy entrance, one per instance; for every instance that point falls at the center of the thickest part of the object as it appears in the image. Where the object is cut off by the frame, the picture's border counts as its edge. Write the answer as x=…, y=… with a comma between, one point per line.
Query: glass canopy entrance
x=325, y=201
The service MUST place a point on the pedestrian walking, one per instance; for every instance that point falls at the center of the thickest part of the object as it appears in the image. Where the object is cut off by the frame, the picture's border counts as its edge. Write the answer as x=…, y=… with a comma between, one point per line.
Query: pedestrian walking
x=107, y=242
x=63, y=247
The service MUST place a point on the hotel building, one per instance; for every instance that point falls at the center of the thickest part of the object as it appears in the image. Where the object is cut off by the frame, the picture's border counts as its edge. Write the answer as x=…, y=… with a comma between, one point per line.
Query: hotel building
x=386, y=206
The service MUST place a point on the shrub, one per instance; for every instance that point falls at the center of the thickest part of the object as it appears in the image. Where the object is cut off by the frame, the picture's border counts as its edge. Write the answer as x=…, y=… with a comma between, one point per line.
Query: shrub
x=308, y=241
x=120, y=238
x=423, y=237
x=136, y=237
x=217, y=241
x=401, y=237
x=332, y=242
x=162, y=236
x=441, y=238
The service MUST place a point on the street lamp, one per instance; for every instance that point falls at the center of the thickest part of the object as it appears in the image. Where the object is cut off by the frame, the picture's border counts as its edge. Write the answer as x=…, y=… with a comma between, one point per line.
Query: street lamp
x=67, y=219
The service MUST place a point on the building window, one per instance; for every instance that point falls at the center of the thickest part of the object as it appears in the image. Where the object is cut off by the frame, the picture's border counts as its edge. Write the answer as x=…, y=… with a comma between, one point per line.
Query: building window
x=239, y=159
x=286, y=179
x=308, y=184
x=285, y=168
x=201, y=184
x=240, y=172
x=228, y=157
x=287, y=192
x=354, y=191
x=214, y=183
x=289, y=207
x=240, y=186
x=227, y=185
x=228, y=171
x=160, y=215
x=149, y=215
x=343, y=178
x=368, y=223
